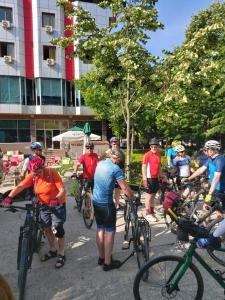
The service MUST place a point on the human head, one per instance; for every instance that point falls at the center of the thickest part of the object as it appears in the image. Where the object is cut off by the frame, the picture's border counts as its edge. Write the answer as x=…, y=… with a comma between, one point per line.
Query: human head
x=175, y=143
x=5, y=290
x=36, y=164
x=154, y=144
x=114, y=142
x=213, y=147
x=36, y=148
x=89, y=147
x=180, y=150
x=116, y=156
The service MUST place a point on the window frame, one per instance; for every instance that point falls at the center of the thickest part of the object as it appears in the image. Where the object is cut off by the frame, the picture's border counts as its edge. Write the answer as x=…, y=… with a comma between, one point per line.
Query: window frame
x=5, y=8
x=49, y=47
x=6, y=43
x=48, y=15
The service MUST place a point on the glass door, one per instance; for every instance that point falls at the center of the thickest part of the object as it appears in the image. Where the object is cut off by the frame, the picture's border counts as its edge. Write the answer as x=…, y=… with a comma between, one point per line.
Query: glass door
x=48, y=139
x=56, y=145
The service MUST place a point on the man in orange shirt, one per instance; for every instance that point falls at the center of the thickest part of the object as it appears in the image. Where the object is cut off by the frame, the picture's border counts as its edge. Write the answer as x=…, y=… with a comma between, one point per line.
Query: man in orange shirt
x=50, y=193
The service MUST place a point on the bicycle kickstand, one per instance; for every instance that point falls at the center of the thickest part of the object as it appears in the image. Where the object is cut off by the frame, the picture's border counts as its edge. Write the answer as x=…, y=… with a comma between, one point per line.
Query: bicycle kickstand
x=126, y=259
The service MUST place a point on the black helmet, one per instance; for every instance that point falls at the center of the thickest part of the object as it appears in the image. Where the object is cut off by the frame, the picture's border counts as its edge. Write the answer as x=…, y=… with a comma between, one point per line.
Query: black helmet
x=89, y=146
x=154, y=141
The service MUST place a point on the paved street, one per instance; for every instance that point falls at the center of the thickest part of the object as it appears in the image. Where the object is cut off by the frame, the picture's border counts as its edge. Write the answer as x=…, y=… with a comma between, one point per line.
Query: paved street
x=81, y=278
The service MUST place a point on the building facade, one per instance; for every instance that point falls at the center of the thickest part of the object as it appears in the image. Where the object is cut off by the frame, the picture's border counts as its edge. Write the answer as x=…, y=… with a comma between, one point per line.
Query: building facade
x=37, y=97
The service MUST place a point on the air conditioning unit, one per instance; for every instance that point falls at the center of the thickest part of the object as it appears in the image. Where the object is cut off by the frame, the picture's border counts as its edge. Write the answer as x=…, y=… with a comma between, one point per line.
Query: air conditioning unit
x=8, y=59
x=48, y=29
x=6, y=24
x=50, y=62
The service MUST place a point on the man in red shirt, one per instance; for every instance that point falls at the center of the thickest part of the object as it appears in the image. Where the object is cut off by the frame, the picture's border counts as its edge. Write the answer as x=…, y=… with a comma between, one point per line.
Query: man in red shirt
x=150, y=175
x=89, y=161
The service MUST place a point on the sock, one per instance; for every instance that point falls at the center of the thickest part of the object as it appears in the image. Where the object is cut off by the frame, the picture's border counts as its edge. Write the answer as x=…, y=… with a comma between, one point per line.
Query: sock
x=151, y=210
x=148, y=211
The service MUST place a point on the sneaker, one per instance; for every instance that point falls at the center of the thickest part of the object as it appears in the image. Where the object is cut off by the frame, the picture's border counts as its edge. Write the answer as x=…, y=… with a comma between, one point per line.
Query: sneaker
x=100, y=261
x=126, y=245
x=115, y=264
x=152, y=218
x=211, y=241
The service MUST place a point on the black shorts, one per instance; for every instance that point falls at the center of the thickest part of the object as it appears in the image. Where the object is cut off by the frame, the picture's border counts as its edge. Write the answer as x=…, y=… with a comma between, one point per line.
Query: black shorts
x=105, y=215
x=153, y=185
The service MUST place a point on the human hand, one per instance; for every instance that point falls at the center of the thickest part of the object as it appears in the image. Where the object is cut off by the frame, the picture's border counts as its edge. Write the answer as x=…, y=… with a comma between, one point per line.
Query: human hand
x=145, y=183
x=208, y=198
x=54, y=202
x=7, y=201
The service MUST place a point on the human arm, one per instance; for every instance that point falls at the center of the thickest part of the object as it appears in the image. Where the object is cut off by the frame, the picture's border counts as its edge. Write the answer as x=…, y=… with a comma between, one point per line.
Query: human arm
x=198, y=172
x=59, y=184
x=125, y=188
x=144, y=174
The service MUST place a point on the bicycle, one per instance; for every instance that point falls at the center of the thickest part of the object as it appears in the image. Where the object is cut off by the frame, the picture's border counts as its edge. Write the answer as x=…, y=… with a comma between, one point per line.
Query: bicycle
x=140, y=232
x=175, y=277
x=79, y=190
x=30, y=241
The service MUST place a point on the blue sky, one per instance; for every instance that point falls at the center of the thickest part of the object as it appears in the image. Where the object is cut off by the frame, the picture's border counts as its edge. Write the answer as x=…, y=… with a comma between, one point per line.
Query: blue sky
x=176, y=16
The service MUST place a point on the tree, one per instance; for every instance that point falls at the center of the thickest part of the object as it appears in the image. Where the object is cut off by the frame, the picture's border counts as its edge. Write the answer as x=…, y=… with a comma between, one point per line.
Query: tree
x=192, y=77
x=118, y=85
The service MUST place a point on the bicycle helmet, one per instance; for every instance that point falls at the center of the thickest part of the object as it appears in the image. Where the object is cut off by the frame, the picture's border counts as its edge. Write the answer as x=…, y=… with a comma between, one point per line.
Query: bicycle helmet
x=89, y=146
x=154, y=141
x=179, y=148
x=36, y=163
x=114, y=139
x=35, y=146
x=213, y=145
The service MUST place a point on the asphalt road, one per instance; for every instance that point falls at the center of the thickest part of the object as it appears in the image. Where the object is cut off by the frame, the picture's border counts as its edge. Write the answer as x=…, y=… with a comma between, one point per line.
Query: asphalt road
x=81, y=278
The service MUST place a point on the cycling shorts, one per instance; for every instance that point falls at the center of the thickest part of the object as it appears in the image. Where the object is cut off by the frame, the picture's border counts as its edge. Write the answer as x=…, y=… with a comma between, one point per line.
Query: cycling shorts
x=105, y=215
x=52, y=216
x=153, y=185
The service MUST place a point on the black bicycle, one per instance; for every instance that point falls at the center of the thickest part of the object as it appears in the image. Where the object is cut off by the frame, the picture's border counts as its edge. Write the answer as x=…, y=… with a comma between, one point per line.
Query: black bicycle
x=30, y=240
x=137, y=231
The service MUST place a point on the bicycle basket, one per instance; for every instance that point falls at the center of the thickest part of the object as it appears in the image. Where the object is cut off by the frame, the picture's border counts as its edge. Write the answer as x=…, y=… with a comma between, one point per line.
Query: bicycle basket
x=171, y=200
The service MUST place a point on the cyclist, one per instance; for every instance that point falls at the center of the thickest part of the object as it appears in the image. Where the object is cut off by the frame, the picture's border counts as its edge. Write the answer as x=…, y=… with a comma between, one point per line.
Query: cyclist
x=36, y=149
x=114, y=145
x=50, y=193
x=216, y=167
x=89, y=161
x=171, y=154
x=106, y=174
x=151, y=166
x=182, y=164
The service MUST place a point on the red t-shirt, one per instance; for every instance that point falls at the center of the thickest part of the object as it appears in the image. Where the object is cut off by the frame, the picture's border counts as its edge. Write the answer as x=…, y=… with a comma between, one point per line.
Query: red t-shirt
x=153, y=162
x=90, y=163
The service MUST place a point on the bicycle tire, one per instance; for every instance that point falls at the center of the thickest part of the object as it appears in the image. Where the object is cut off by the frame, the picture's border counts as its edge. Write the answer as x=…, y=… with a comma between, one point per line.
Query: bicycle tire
x=78, y=195
x=23, y=266
x=155, y=274
x=127, y=222
x=142, y=246
x=217, y=255
x=40, y=234
x=88, y=210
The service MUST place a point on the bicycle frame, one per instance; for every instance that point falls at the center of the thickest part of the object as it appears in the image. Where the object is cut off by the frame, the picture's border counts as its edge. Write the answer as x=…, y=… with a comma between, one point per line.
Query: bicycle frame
x=182, y=267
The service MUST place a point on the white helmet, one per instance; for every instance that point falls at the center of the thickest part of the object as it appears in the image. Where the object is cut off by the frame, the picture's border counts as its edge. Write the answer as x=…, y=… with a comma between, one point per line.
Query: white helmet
x=213, y=145
x=179, y=148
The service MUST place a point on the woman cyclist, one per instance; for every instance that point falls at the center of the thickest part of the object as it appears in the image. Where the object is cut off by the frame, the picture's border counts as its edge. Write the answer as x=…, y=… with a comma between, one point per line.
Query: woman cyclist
x=50, y=193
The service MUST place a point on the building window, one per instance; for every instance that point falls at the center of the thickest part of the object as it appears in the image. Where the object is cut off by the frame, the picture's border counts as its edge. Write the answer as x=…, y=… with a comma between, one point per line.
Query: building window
x=9, y=90
x=6, y=49
x=5, y=14
x=50, y=91
x=49, y=52
x=30, y=92
x=48, y=20
x=14, y=131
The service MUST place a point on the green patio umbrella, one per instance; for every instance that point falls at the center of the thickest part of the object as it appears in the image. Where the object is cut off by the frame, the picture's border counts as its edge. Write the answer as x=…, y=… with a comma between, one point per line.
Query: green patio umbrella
x=87, y=133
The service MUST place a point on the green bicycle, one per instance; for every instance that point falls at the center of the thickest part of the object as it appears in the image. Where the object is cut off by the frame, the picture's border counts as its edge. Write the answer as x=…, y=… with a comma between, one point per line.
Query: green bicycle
x=175, y=277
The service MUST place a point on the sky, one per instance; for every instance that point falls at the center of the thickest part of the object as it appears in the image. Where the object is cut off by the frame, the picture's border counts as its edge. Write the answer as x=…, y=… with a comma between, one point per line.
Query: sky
x=176, y=15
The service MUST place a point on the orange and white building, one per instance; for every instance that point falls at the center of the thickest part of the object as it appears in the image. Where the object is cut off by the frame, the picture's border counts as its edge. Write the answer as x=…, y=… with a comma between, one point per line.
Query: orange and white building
x=37, y=98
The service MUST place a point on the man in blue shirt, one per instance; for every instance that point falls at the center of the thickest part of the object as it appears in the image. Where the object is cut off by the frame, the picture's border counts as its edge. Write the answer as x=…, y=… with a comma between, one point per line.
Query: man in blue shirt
x=216, y=167
x=107, y=174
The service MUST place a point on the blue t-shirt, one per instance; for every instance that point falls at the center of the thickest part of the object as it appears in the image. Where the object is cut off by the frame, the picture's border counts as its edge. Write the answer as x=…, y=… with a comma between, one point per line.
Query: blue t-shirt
x=172, y=154
x=183, y=165
x=106, y=175
x=217, y=165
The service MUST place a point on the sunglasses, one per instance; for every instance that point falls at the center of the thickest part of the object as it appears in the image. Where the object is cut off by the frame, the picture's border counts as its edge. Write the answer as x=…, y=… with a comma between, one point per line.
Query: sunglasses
x=89, y=147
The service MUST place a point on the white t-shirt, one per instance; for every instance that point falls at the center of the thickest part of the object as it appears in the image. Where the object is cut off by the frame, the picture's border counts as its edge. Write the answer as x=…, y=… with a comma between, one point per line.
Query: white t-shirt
x=183, y=165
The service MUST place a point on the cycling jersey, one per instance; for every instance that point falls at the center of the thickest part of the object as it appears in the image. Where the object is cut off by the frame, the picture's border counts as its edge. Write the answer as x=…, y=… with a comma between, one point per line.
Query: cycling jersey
x=46, y=187
x=89, y=163
x=153, y=162
x=183, y=165
x=217, y=164
x=172, y=154
x=106, y=174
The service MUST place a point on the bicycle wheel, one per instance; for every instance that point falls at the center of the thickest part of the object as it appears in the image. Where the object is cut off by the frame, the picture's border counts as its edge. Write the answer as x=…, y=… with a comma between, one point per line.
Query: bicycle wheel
x=217, y=254
x=127, y=222
x=23, y=266
x=77, y=195
x=142, y=246
x=88, y=210
x=160, y=278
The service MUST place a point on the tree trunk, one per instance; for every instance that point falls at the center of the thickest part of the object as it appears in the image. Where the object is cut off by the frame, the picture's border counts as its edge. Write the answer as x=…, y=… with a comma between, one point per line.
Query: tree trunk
x=128, y=129
x=132, y=137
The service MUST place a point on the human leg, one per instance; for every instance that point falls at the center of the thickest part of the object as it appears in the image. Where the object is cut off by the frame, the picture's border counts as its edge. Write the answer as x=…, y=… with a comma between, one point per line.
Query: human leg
x=100, y=233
